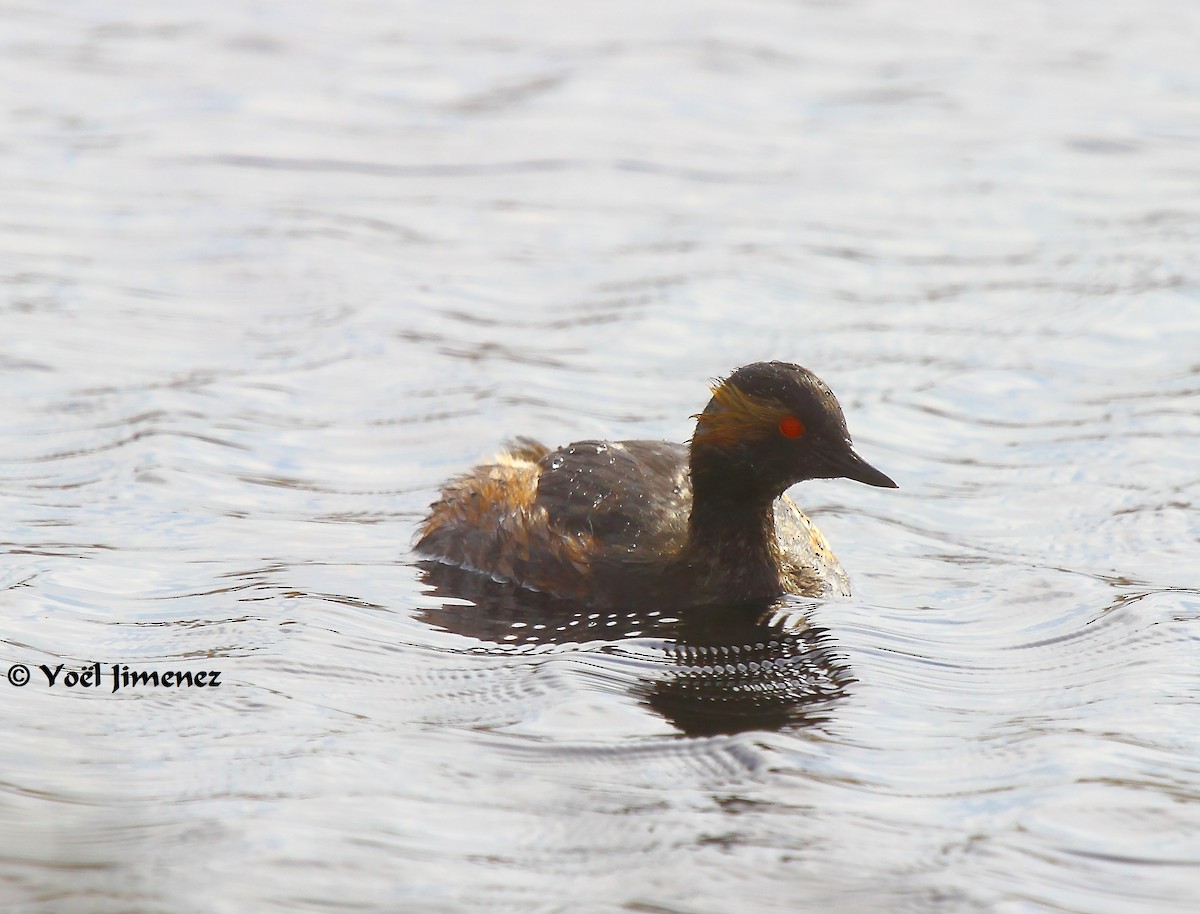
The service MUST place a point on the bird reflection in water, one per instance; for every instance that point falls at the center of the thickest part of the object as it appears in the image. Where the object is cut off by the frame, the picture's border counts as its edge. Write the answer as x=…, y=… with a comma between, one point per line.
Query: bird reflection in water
x=707, y=671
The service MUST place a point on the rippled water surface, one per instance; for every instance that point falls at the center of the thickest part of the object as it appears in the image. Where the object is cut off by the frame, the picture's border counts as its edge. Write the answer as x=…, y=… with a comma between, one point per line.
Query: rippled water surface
x=270, y=272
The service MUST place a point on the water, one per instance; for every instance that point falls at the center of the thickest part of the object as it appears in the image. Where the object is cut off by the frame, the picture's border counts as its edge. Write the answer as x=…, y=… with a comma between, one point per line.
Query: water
x=270, y=272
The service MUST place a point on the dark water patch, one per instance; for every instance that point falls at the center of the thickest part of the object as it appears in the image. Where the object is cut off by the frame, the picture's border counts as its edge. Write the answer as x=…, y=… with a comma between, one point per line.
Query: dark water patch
x=708, y=671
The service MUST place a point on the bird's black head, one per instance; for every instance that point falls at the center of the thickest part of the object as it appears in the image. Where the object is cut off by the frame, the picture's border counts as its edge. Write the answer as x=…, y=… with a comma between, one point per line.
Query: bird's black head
x=772, y=424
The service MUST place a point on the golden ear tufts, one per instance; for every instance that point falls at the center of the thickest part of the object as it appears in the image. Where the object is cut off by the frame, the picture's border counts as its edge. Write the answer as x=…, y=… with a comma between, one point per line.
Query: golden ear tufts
x=739, y=417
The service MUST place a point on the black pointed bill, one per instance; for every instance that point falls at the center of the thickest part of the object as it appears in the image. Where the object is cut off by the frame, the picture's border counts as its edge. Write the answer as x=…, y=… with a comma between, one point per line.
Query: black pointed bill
x=849, y=465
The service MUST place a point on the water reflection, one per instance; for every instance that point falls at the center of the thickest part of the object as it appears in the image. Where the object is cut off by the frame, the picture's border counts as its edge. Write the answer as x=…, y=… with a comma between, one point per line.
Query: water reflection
x=716, y=670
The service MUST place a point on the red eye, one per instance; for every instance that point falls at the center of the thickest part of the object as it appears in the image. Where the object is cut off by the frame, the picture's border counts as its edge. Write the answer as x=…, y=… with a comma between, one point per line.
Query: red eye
x=791, y=427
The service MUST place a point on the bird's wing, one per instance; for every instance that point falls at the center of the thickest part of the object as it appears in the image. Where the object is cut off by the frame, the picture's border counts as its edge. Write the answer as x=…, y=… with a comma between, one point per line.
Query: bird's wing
x=631, y=496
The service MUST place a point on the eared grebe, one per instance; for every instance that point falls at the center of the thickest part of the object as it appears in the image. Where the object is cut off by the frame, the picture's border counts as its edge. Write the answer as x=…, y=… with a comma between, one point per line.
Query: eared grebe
x=615, y=523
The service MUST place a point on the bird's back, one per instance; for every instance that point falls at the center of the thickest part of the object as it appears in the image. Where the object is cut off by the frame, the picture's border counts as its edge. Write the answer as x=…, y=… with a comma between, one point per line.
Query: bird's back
x=547, y=519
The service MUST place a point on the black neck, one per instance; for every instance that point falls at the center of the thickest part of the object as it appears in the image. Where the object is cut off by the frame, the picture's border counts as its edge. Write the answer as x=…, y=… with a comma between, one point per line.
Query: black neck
x=732, y=537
